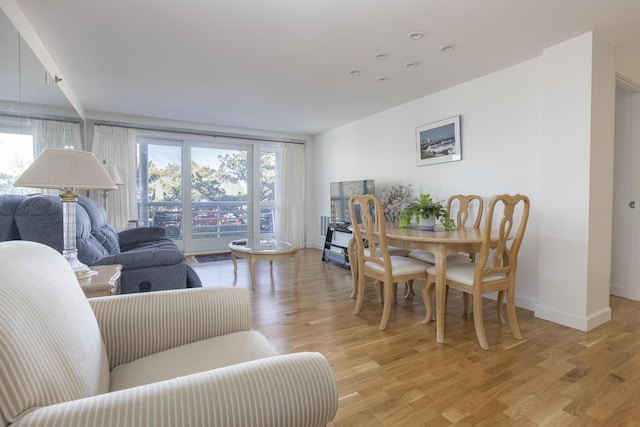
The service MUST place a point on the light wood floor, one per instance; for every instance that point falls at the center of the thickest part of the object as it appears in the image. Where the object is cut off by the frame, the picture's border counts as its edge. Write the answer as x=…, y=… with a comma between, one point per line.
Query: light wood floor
x=401, y=377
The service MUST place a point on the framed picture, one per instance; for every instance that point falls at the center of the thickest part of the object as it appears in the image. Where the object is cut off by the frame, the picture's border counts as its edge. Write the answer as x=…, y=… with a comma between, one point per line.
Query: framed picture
x=439, y=142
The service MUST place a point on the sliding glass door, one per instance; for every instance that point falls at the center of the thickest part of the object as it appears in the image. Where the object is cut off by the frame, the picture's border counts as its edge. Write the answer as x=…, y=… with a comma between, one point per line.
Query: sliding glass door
x=206, y=194
x=160, y=186
x=220, y=203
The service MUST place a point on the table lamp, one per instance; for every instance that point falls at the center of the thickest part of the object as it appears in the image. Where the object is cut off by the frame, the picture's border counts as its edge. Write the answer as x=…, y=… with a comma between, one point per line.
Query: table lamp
x=68, y=171
x=113, y=172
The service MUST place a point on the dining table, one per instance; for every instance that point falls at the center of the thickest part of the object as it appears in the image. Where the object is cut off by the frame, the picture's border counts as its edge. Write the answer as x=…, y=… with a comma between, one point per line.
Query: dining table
x=440, y=243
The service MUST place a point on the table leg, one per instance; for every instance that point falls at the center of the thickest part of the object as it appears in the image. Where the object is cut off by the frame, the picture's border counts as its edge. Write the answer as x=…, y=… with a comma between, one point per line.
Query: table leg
x=441, y=273
x=235, y=264
x=252, y=270
x=297, y=267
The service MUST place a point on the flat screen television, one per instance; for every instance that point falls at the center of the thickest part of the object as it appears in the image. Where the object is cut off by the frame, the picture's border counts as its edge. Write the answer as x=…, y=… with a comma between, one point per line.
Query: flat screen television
x=340, y=194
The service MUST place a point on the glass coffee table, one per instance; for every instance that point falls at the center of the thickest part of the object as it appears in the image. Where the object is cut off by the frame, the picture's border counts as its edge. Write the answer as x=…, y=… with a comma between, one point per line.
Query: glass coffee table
x=263, y=249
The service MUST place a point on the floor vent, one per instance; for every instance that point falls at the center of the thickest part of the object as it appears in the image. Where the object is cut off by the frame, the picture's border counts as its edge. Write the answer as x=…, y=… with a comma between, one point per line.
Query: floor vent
x=324, y=224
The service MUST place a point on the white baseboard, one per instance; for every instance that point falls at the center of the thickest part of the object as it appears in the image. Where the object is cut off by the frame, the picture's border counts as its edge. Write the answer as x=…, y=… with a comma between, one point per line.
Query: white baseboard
x=618, y=290
x=526, y=303
x=315, y=245
x=582, y=323
x=624, y=292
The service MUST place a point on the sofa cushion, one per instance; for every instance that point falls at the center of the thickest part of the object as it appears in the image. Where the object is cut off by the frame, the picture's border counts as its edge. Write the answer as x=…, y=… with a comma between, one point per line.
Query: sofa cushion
x=108, y=238
x=8, y=205
x=39, y=219
x=89, y=243
x=188, y=359
x=100, y=229
x=57, y=352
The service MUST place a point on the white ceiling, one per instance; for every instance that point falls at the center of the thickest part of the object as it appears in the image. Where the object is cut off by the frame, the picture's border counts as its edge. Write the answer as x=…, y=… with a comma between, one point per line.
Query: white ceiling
x=282, y=65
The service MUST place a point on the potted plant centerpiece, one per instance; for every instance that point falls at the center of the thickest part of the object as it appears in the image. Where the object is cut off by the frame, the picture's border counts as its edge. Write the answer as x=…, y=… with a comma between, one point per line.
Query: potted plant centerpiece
x=426, y=211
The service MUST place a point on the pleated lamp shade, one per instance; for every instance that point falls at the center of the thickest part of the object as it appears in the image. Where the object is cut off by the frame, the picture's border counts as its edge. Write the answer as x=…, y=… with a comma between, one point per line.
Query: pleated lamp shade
x=57, y=169
x=115, y=174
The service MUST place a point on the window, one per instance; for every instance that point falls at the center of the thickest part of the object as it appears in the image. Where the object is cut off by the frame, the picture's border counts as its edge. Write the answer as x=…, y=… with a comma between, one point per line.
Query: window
x=17, y=155
x=269, y=200
x=207, y=192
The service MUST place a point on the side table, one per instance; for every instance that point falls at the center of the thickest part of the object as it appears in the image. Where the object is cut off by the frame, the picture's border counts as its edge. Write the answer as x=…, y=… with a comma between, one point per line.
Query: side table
x=105, y=283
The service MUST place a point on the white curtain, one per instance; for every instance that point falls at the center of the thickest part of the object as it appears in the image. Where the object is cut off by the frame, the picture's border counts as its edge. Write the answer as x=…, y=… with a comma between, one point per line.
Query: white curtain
x=56, y=135
x=117, y=146
x=290, y=226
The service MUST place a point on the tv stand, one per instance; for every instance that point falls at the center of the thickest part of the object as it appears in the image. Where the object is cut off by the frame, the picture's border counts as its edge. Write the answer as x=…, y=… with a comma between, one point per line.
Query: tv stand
x=336, y=243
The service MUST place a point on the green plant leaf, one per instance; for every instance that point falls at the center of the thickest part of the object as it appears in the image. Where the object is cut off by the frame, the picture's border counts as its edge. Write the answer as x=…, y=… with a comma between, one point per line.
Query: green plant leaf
x=424, y=208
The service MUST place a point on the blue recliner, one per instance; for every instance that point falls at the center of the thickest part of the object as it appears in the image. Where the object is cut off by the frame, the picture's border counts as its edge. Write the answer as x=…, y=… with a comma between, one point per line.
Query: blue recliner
x=150, y=260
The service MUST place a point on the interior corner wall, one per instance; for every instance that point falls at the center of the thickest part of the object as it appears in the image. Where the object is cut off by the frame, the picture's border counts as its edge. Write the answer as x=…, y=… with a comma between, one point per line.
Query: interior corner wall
x=576, y=184
x=500, y=130
x=603, y=89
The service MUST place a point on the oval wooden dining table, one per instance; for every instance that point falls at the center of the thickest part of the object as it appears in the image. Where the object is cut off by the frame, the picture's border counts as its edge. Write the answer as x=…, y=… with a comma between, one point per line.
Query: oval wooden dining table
x=439, y=243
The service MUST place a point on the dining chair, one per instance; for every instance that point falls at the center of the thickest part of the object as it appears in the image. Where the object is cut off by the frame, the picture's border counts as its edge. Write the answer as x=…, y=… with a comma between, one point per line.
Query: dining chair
x=376, y=262
x=462, y=208
x=353, y=266
x=494, y=269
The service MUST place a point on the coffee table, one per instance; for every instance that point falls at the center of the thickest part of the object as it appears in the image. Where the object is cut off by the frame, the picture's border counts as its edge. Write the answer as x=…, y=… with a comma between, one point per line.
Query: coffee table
x=263, y=249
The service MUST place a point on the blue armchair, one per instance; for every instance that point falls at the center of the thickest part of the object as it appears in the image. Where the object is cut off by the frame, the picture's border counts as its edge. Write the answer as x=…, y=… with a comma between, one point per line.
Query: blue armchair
x=150, y=260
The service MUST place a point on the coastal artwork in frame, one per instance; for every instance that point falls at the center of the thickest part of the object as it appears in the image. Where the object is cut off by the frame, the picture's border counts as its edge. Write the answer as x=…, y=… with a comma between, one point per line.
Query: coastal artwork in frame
x=439, y=142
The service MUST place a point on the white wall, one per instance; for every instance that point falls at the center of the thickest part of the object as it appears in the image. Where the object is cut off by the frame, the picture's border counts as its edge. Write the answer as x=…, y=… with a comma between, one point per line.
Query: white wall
x=577, y=183
x=543, y=128
x=500, y=152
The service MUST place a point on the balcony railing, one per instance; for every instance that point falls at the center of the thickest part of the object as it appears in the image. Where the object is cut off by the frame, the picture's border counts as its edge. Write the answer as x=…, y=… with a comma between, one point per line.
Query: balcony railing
x=209, y=220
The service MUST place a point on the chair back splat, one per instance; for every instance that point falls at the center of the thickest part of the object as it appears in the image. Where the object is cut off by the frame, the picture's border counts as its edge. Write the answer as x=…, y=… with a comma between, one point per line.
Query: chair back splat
x=504, y=257
x=366, y=208
x=463, y=207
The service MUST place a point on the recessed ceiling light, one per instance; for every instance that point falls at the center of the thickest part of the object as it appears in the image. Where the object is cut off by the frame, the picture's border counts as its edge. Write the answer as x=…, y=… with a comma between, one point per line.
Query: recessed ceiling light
x=446, y=48
x=416, y=35
x=380, y=56
x=411, y=65
x=354, y=72
x=383, y=79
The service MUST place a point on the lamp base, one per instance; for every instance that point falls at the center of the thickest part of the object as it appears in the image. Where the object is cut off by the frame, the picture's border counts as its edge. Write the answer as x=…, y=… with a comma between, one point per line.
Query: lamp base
x=80, y=269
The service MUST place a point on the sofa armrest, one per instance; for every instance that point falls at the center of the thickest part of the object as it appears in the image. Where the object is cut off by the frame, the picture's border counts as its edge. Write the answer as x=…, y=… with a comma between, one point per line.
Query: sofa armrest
x=135, y=236
x=296, y=390
x=143, y=258
x=137, y=325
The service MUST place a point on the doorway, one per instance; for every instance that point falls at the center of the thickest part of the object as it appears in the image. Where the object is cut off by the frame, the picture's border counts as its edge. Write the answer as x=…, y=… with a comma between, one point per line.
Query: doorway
x=625, y=247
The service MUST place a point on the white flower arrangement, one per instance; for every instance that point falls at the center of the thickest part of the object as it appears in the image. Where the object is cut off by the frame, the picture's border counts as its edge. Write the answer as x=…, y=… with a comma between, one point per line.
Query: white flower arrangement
x=394, y=199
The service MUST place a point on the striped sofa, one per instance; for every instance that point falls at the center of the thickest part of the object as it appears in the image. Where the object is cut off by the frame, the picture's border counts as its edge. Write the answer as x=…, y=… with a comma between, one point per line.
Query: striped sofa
x=177, y=358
